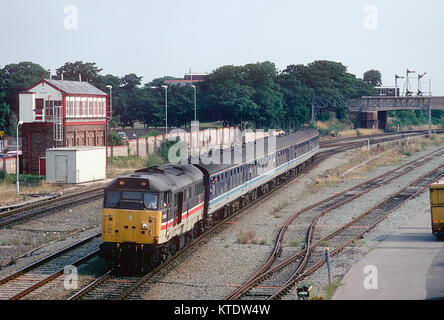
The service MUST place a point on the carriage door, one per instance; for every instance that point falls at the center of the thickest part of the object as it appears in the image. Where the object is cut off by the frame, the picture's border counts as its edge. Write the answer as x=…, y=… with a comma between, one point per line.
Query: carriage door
x=178, y=217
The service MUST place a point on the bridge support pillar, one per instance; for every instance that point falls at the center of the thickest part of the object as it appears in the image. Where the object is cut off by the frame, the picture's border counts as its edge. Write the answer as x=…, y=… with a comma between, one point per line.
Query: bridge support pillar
x=374, y=120
x=369, y=120
x=382, y=120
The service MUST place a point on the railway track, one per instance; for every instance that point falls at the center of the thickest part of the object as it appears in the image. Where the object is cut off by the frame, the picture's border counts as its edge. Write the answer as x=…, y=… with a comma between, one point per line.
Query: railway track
x=268, y=280
x=341, y=141
x=113, y=286
x=352, y=231
x=125, y=285
x=8, y=218
x=48, y=269
x=338, y=145
x=108, y=286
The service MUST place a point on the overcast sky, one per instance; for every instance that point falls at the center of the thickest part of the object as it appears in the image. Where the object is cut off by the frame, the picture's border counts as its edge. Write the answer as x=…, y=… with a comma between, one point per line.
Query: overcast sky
x=157, y=38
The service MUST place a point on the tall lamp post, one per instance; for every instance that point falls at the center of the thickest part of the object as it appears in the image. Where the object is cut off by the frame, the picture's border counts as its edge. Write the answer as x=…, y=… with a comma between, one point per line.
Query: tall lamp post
x=17, y=184
x=194, y=87
x=110, y=87
x=166, y=108
x=166, y=105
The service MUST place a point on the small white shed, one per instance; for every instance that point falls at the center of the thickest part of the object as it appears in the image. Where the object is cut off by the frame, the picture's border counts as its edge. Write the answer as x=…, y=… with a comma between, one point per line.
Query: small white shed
x=75, y=164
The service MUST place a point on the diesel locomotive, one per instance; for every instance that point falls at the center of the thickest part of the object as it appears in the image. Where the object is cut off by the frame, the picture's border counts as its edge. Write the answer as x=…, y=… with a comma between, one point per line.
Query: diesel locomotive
x=150, y=214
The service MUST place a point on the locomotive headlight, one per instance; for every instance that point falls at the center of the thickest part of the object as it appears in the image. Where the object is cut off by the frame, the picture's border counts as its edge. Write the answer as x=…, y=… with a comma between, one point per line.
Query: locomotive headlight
x=144, y=226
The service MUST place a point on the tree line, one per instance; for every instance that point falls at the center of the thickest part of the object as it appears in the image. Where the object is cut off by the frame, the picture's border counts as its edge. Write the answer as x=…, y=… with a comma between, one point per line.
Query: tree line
x=256, y=94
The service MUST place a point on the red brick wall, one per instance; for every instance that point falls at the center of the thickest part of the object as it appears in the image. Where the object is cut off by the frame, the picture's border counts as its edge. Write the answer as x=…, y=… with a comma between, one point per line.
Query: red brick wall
x=85, y=135
x=41, y=138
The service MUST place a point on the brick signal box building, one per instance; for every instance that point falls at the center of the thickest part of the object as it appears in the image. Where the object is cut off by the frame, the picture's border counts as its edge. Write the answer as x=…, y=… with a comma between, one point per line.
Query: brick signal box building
x=60, y=113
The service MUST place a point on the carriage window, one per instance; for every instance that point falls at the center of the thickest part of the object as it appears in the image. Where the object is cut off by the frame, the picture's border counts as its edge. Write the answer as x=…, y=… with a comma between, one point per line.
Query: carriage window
x=213, y=187
x=229, y=180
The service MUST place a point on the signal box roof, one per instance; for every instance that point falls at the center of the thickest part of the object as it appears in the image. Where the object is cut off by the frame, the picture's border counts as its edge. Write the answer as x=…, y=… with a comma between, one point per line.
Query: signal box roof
x=75, y=87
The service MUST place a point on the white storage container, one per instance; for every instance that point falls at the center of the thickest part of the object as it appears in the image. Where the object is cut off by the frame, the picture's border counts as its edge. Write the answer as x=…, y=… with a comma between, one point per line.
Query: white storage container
x=75, y=164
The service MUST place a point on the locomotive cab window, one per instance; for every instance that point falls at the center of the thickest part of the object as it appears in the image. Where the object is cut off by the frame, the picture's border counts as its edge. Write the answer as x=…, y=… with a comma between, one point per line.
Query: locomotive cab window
x=112, y=198
x=150, y=200
x=134, y=200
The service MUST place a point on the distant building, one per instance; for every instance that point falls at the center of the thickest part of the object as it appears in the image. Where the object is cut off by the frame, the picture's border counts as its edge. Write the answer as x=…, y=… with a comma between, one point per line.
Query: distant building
x=60, y=113
x=189, y=78
x=388, y=91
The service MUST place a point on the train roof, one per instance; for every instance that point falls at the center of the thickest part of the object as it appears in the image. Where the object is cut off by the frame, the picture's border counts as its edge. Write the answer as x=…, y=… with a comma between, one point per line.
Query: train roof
x=176, y=176
x=167, y=177
x=246, y=152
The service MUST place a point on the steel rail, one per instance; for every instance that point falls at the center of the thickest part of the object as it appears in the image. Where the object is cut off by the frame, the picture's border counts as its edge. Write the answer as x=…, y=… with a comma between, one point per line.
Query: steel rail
x=53, y=276
x=430, y=176
x=95, y=192
x=260, y=275
x=47, y=259
x=43, y=203
x=44, y=207
x=277, y=248
x=218, y=226
x=194, y=244
x=92, y=285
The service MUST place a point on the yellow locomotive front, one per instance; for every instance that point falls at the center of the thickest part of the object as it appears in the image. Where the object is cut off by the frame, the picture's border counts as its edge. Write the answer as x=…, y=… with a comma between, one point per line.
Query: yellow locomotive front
x=131, y=221
x=150, y=214
x=128, y=223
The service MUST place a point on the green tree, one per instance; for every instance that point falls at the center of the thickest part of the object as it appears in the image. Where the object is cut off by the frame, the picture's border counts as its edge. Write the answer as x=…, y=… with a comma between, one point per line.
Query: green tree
x=297, y=100
x=88, y=72
x=148, y=104
x=114, y=122
x=130, y=82
x=5, y=115
x=16, y=77
x=180, y=105
x=267, y=94
x=157, y=82
x=115, y=139
x=373, y=77
x=225, y=96
x=129, y=94
x=330, y=81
